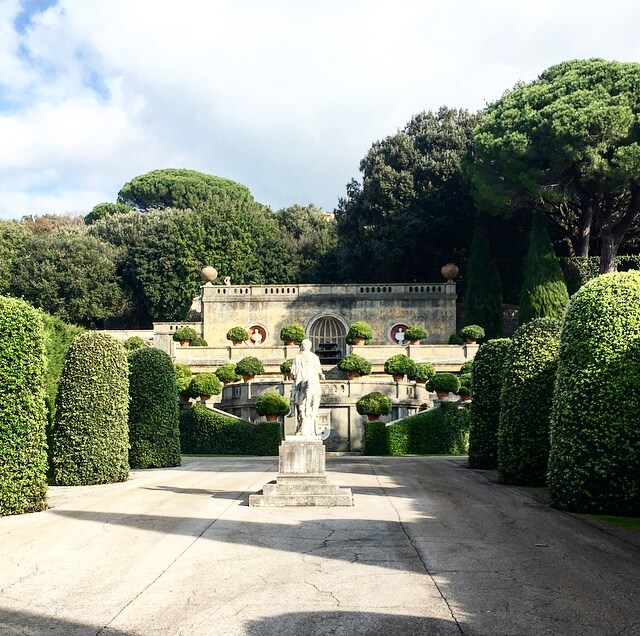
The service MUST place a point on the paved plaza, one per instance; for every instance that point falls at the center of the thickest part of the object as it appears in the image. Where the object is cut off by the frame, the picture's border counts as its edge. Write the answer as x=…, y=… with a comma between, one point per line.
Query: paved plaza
x=430, y=547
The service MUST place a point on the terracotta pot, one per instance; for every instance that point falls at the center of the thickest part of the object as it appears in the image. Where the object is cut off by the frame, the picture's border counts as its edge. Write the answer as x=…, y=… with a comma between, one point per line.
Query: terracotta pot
x=248, y=378
x=398, y=378
x=271, y=418
x=353, y=375
x=464, y=397
x=372, y=417
x=421, y=381
x=204, y=398
x=471, y=340
x=185, y=343
x=415, y=342
x=442, y=395
x=358, y=341
x=237, y=342
x=291, y=343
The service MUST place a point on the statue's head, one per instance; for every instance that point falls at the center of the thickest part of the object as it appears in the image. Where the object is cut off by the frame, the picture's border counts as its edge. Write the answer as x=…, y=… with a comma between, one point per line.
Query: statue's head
x=305, y=345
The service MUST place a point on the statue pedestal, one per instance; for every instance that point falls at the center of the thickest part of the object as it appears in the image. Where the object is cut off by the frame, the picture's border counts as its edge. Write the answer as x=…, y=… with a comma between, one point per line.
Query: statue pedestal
x=302, y=478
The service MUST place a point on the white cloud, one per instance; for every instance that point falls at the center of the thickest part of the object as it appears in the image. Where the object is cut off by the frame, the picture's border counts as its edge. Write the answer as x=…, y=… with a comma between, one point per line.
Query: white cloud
x=283, y=96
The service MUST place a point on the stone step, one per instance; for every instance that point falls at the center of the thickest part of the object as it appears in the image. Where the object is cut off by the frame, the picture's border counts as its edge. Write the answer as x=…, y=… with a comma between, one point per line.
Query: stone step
x=342, y=499
x=301, y=489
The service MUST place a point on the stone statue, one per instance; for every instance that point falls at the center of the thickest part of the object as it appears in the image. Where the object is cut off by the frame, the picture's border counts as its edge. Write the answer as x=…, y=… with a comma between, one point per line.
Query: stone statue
x=306, y=391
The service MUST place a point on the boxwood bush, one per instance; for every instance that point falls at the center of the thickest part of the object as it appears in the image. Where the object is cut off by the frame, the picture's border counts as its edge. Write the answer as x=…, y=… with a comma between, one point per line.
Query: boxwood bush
x=272, y=403
x=359, y=329
x=400, y=364
x=249, y=367
x=594, y=463
x=486, y=385
x=238, y=334
x=203, y=431
x=227, y=373
x=205, y=384
x=183, y=377
x=23, y=455
x=185, y=333
x=525, y=403
x=292, y=333
x=444, y=382
x=423, y=372
x=374, y=403
x=154, y=434
x=90, y=438
x=441, y=431
x=353, y=363
x=133, y=343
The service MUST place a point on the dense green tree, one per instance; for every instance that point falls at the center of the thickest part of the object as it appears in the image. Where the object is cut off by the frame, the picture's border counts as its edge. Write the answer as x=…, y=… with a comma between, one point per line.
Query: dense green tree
x=568, y=142
x=594, y=463
x=70, y=274
x=179, y=188
x=23, y=456
x=483, y=297
x=313, y=237
x=13, y=245
x=413, y=211
x=103, y=210
x=544, y=291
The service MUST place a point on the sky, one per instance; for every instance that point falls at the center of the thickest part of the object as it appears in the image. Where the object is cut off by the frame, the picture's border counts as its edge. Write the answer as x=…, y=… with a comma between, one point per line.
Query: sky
x=283, y=96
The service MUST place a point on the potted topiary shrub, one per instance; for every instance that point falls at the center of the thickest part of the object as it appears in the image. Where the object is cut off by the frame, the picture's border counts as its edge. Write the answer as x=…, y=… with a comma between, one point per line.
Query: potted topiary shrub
x=205, y=385
x=227, y=373
x=237, y=335
x=373, y=405
x=292, y=334
x=354, y=366
x=416, y=333
x=464, y=392
x=134, y=343
x=423, y=371
x=472, y=333
x=285, y=369
x=359, y=333
x=183, y=380
x=455, y=339
x=443, y=384
x=184, y=335
x=399, y=365
x=199, y=342
x=272, y=405
x=249, y=367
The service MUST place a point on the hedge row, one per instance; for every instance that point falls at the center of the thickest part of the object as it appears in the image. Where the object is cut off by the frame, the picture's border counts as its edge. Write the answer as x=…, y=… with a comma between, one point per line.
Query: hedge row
x=23, y=457
x=90, y=438
x=441, y=431
x=154, y=434
x=203, y=431
x=525, y=404
x=486, y=385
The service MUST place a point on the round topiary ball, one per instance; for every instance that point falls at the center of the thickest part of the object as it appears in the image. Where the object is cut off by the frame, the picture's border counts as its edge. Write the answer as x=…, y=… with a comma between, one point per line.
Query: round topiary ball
x=374, y=403
x=272, y=403
x=595, y=430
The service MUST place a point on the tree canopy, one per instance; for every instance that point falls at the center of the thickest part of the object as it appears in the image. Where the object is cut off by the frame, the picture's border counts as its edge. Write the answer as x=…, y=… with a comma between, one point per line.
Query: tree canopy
x=413, y=211
x=568, y=144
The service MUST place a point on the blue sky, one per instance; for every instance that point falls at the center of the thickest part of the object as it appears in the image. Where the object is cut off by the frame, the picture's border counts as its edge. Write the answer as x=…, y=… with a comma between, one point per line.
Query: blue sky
x=283, y=96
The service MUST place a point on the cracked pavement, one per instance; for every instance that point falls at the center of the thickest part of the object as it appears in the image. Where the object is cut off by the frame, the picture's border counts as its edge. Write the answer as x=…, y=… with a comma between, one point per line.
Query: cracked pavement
x=430, y=547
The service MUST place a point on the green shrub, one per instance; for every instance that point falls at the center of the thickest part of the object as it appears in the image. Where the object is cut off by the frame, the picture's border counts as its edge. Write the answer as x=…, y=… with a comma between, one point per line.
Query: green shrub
x=359, y=329
x=227, y=373
x=154, y=435
x=292, y=333
x=374, y=403
x=544, y=291
x=399, y=364
x=205, y=384
x=23, y=363
x=272, y=403
x=416, y=332
x=423, y=372
x=90, y=439
x=183, y=377
x=184, y=333
x=237, y=334
x=594, y=463
x=444, y=382
x=455, y=339
x=472, y=332
x=285, y=367
x=249, y=366
x=133, y=343
x=203, y=431
x=199, y=342
x=467, y=367
x=486, y=385
x=354, y=364
x=441, y=431
x=525, y=403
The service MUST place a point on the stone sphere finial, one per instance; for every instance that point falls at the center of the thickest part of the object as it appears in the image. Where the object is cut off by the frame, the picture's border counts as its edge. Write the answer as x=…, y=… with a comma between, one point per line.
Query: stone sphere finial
x=208, y=274
x=449, y=271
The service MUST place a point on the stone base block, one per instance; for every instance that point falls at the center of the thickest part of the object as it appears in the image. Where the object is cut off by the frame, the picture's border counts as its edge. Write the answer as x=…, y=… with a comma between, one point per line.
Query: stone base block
x=302, y=479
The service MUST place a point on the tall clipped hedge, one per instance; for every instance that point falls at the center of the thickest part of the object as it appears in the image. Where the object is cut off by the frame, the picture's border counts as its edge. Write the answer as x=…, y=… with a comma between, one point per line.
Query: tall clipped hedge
x=90, y=438
x=23, y=456
x=440, y=431
x=486, y=385
x=203, y=431
x=544, y=291
x=594, y=463
x=525, y=403
x=154, y=433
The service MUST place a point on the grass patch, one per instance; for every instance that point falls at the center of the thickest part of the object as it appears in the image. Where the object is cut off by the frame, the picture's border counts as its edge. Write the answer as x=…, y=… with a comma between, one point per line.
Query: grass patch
x=628, y=523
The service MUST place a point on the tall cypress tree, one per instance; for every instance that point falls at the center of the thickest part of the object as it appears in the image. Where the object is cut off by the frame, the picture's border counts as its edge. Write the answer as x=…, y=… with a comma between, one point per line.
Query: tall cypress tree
x=483, y=299
x=544, y=291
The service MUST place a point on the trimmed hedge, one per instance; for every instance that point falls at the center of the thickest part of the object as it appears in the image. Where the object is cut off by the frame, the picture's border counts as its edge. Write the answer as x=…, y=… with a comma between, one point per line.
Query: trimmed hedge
x=154, y=434
x=594, y=463
x=203, y=431
x=23, y=455
x=525, y=403
x=441, y=431
x=486, y=385
x=90, y=439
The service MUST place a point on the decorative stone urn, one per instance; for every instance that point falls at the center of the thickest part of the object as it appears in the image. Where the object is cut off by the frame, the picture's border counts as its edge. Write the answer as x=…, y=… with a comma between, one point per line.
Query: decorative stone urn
x=208, y=274
x=449, y=271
